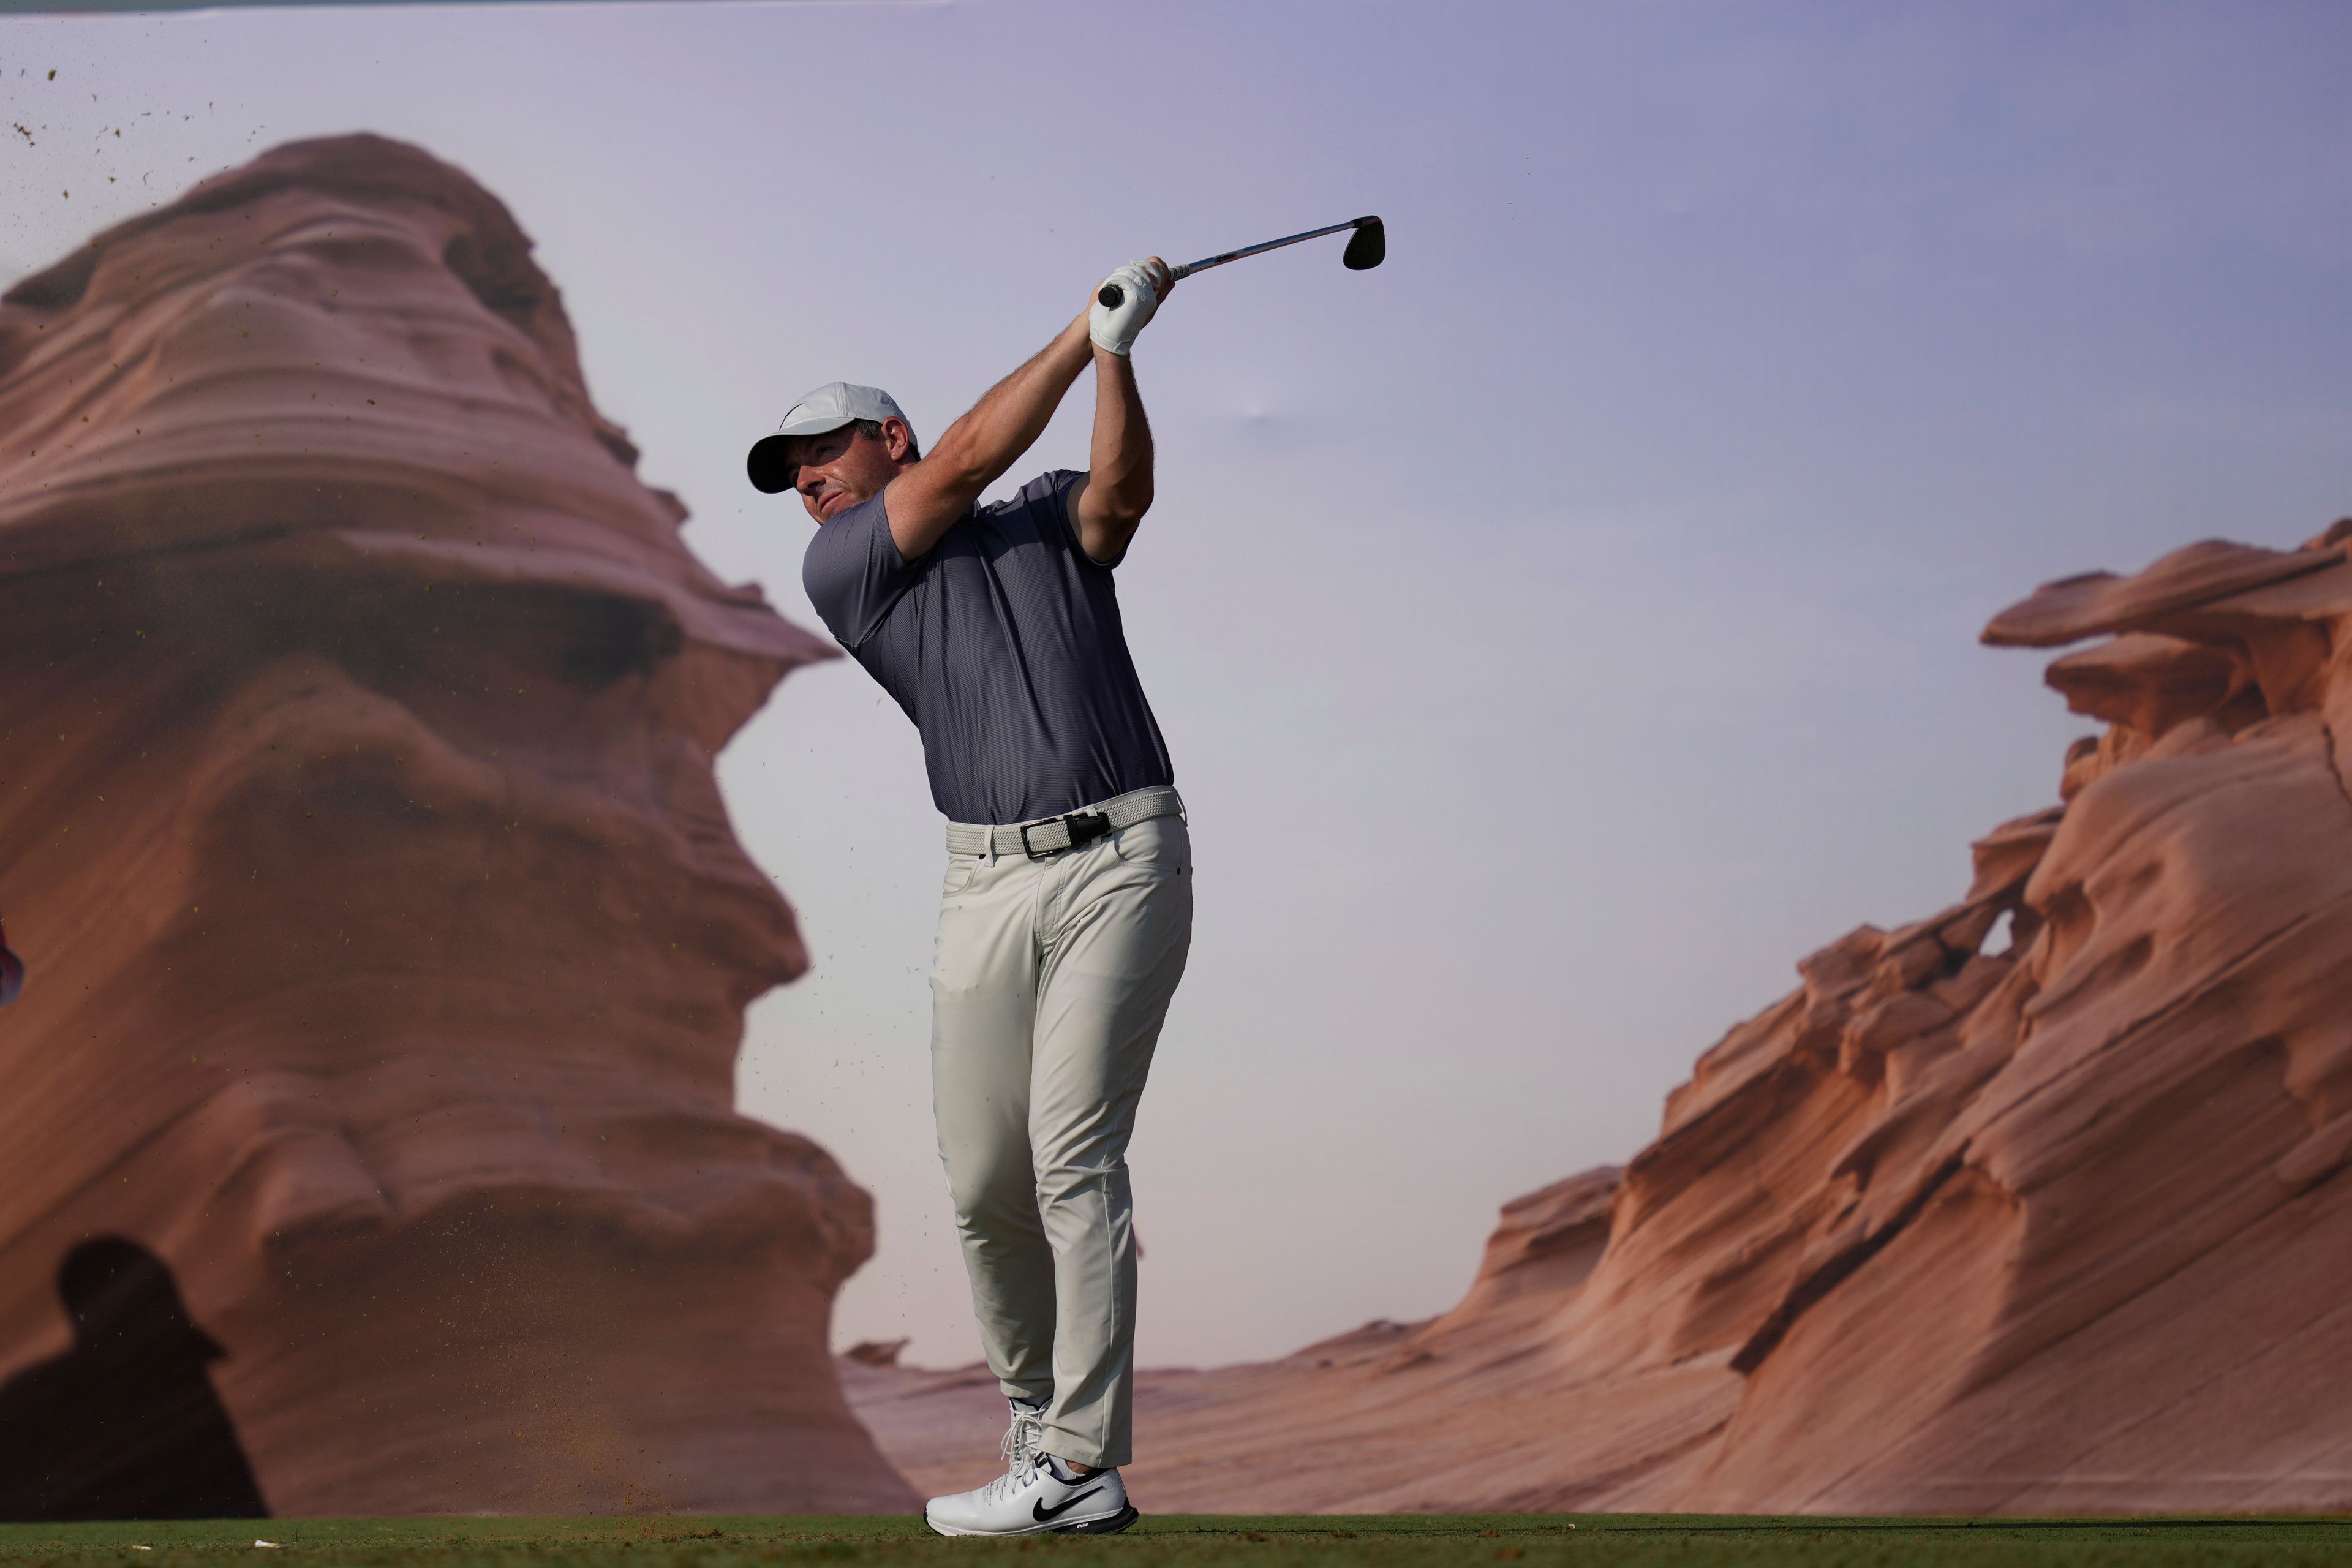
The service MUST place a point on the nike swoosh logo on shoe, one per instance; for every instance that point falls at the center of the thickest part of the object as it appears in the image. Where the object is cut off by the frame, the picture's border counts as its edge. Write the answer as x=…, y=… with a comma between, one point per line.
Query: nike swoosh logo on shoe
x=1044, y=1515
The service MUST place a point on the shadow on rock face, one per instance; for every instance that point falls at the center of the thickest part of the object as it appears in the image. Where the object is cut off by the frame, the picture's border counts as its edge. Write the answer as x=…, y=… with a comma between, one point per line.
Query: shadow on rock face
x=12, y=971
x=125, y=1424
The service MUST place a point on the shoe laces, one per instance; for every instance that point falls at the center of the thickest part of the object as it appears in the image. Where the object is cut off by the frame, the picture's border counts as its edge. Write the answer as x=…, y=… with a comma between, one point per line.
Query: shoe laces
x=1022, y=1437
x=1014, y=1480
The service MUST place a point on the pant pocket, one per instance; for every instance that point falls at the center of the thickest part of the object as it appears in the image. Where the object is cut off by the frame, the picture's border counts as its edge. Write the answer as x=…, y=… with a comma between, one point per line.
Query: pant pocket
x=1160, y=842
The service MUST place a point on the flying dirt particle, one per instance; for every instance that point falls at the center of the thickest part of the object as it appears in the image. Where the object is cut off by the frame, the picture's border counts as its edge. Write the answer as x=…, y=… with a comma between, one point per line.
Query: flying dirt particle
x=53, y=76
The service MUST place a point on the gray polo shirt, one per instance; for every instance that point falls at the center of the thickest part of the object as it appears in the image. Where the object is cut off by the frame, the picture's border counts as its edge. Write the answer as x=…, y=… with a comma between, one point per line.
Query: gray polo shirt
x=1003, y=645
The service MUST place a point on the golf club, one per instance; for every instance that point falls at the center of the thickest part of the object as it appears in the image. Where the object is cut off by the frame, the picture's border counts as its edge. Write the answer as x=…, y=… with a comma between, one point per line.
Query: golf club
x=1367, y=248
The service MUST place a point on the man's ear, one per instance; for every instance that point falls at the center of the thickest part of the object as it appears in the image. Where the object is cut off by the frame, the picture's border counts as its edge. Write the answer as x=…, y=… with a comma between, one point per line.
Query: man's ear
x=897, y=439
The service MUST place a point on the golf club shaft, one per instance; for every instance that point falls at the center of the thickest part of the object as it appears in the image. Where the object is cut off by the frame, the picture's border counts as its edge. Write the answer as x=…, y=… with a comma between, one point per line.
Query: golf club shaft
x=1112, y=294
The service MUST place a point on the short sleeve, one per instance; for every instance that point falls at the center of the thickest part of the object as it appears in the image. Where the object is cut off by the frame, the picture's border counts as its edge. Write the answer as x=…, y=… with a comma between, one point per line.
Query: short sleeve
x=1050, y=494
x=854, y=573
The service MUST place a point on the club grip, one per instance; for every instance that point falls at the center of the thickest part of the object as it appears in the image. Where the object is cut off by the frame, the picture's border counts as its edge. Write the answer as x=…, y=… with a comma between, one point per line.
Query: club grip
x=1112, y=297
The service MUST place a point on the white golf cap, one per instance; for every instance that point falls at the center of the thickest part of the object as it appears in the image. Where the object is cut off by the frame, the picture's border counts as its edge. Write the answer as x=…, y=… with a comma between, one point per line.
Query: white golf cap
x=829, y=407
x=836, y=404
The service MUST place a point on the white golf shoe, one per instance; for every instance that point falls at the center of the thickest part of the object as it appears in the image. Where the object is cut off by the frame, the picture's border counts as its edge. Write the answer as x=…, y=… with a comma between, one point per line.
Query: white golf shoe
x=1036, y=1498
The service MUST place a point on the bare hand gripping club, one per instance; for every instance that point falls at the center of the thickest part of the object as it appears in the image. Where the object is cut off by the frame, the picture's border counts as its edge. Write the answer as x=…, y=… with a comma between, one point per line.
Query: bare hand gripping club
x=1367, y=248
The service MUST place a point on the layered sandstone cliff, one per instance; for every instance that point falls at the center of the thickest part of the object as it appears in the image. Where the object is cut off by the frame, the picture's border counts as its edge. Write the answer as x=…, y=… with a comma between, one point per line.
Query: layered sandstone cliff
x=390, y=942
x=2037, y=1204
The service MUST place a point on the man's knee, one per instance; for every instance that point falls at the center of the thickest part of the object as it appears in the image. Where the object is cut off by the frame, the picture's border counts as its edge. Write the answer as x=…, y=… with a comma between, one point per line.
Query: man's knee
x=991, y=1187
x=1066, y=1183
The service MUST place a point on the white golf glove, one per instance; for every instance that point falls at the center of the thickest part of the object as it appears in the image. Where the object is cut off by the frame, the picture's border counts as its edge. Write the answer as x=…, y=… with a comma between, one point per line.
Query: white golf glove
x=1114, y=328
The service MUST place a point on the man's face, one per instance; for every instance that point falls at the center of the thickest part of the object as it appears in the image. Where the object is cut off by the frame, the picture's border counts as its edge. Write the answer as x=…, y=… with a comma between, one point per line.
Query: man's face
x=844, y=466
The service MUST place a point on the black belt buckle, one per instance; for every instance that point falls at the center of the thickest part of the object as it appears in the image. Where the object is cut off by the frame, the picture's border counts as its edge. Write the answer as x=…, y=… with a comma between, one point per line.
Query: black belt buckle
x=1085, y=827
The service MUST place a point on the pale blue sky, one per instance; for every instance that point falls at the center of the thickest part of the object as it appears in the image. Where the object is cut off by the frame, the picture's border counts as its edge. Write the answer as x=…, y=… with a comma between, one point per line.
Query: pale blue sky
x=1558, y=631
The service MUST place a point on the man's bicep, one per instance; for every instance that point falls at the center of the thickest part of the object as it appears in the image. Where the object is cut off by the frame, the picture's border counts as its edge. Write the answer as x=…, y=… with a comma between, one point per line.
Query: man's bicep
x=1102, y=537
x=1076, y=508
x=922, y=504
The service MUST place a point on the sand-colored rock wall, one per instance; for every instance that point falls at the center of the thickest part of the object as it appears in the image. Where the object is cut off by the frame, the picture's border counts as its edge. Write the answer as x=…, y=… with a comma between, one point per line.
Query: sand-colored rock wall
x=389, y=941
x=2036, y=1204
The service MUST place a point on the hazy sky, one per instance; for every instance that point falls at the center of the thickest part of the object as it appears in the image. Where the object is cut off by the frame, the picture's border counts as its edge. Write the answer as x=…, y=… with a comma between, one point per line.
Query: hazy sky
x=1558, y=632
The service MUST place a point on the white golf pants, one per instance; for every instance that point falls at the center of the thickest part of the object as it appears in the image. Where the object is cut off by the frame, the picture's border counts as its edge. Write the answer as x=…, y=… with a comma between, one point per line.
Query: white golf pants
x=1049, y=983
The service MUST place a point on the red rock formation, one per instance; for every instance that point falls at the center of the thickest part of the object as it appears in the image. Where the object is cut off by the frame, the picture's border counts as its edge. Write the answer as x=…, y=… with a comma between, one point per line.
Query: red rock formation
x=2050, y=1223
x=390, y=942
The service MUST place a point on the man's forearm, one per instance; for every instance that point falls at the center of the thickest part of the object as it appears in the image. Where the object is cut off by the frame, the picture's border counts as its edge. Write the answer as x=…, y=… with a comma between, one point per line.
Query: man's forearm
x=1011, y=414
x=973, y=453
x=1119, y=473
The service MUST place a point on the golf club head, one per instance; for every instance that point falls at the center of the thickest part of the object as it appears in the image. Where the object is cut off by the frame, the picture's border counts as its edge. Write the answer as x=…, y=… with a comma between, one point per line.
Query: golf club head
x=12, y=971
x=1367, y=247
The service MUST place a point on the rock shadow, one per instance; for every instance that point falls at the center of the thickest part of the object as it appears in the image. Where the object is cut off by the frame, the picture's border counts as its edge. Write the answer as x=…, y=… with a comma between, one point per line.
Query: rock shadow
x=12, y=971
x=125, y=1424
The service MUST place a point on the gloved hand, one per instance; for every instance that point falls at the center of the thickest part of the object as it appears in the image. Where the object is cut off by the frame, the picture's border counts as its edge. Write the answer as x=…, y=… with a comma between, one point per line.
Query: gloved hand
x=1143, y=283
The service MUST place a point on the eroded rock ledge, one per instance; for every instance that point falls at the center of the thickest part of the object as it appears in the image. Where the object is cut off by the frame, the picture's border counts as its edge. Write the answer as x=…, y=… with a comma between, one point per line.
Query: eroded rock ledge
x=2035, y=1204
x=390, y=940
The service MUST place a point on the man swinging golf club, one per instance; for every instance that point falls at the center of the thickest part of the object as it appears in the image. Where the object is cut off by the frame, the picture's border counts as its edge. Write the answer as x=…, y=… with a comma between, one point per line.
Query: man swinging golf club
x=1066, y=912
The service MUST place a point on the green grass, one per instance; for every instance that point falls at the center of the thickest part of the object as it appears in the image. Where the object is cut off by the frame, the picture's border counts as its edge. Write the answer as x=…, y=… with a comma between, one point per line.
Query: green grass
x=1181, y=1541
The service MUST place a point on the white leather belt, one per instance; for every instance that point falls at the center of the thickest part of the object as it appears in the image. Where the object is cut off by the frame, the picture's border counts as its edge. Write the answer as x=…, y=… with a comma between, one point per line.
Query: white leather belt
x=1052, y=834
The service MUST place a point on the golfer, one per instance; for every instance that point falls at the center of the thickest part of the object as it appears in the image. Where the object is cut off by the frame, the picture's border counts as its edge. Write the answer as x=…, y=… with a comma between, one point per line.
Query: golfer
x=1067, y=908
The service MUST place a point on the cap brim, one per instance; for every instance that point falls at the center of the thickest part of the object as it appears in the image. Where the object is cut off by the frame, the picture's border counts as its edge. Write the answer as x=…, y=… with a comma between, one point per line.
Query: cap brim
x=771, y=475
x=769, y=472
